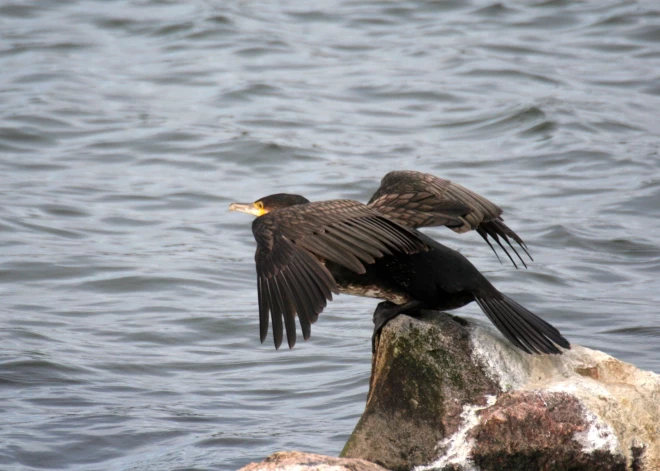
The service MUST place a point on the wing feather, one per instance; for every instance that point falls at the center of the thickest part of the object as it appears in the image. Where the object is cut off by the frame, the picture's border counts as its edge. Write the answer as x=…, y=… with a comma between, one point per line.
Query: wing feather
x=316, y=291
x=358, y=254
x=371, y=234
x=289, y=308
x=276, y=313
x=305, y=306
x=350, y=237
x=264, y=307
x=326, y=247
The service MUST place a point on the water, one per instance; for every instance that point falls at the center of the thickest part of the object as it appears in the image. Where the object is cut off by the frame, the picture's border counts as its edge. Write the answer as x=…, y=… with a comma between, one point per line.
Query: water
x=128, y=312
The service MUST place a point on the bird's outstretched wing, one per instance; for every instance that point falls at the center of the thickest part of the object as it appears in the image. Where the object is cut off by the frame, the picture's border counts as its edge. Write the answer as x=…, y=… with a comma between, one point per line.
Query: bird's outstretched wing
x=416, y=199
x=292, y=245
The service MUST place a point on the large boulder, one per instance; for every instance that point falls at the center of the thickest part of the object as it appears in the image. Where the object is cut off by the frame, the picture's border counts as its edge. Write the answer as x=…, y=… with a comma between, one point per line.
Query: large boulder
x=448, y=395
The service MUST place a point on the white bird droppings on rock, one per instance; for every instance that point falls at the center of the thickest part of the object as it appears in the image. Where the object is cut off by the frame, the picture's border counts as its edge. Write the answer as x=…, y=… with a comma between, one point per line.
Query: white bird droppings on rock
x=599, y=436
x=458, y=446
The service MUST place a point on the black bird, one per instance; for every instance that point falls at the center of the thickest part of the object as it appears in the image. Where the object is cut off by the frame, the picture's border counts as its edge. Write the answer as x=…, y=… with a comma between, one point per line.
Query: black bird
x=416, y=199
x=308, y=251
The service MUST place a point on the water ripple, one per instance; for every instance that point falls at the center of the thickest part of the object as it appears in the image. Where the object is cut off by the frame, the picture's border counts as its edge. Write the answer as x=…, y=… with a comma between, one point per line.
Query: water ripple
x=130, y=321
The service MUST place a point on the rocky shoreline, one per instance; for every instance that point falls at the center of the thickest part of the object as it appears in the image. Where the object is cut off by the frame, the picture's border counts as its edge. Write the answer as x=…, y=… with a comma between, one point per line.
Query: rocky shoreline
x=446, y=394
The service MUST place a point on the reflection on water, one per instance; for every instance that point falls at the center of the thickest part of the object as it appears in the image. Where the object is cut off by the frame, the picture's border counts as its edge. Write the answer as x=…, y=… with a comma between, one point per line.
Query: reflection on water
x=128, y=291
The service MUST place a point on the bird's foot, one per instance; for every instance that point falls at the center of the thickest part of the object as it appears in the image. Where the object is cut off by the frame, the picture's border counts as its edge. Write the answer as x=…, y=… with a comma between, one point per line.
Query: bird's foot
x=385, y=312
x=382, y=310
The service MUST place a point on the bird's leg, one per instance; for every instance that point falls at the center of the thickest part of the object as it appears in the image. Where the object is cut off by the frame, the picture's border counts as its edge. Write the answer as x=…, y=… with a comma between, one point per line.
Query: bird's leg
x=385, y=312
x=381, y=310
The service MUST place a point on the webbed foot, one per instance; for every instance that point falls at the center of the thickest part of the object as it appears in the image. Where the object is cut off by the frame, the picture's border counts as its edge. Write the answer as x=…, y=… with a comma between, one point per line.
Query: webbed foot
x=385, y=312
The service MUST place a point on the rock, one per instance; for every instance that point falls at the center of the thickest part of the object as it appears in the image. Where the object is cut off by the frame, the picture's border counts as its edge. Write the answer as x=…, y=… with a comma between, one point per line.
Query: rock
x=448, y=395
x=298, y=461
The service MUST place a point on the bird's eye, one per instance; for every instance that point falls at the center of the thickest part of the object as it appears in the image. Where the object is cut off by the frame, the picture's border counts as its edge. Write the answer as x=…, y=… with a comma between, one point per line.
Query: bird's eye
x=259, y=205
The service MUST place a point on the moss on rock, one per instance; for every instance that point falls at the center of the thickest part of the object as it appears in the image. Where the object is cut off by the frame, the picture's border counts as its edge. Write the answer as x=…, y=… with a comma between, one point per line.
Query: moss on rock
x=417, y=391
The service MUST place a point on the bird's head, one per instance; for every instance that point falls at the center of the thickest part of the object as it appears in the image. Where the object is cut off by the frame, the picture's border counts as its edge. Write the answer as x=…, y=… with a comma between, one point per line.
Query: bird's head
x=268, y=203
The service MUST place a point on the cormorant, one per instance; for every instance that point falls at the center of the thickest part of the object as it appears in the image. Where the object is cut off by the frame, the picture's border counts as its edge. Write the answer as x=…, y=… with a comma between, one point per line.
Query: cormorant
x=308, y=250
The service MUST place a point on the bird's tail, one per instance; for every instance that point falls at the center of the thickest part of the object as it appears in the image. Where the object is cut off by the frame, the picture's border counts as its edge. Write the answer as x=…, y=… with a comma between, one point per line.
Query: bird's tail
x=524, y=329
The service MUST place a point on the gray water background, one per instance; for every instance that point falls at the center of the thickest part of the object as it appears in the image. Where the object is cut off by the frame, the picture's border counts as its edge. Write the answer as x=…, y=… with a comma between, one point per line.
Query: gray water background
x=128, y=307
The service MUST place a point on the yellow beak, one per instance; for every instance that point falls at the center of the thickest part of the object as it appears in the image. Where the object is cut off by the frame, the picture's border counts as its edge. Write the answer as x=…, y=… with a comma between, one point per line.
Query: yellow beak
x=249, y=208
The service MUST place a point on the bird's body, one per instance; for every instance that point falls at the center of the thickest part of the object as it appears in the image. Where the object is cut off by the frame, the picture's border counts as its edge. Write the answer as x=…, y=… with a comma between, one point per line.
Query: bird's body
x=307, y=251
x=440, y=278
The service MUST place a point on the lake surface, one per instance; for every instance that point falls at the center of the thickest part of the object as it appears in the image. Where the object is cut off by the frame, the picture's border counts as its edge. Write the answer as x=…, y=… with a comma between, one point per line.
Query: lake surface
x=128, y=300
